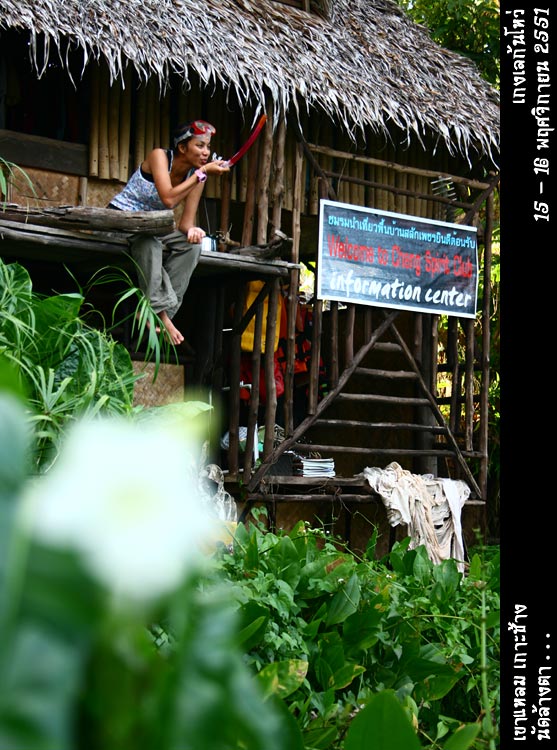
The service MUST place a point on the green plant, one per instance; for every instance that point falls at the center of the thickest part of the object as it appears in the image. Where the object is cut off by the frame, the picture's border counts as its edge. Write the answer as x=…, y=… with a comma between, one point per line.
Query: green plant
x=10, y=174
x=469, y=27
x=327, y=632
x=146, y=325
x=68, y=369
x=279, y=641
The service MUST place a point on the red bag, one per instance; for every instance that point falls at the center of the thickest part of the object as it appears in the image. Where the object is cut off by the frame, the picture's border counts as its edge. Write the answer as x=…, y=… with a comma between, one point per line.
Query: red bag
x=246, y=376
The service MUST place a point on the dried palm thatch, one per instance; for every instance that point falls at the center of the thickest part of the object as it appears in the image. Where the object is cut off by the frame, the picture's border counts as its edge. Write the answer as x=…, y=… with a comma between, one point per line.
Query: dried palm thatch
x=367, y=65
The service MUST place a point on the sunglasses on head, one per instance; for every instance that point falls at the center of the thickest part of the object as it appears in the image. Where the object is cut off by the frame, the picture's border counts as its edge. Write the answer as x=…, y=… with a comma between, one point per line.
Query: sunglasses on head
x=197, y=127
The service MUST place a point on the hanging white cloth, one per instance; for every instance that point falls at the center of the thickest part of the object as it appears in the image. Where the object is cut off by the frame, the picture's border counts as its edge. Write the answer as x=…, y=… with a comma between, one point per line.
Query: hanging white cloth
x=431, y=508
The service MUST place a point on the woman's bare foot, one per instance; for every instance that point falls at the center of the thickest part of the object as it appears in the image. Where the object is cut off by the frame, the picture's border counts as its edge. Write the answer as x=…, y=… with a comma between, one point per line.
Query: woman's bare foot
x=173, y=333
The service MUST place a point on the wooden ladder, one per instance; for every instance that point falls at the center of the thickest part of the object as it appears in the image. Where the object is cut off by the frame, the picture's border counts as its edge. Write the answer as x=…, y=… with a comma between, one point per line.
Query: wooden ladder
x=438, y=428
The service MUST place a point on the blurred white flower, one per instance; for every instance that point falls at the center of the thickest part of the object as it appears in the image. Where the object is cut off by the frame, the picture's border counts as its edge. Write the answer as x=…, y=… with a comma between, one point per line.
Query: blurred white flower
x=126, y=497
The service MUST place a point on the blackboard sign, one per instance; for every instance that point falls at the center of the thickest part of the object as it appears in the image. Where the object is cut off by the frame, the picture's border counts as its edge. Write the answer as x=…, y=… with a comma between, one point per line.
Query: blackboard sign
x=385, y=259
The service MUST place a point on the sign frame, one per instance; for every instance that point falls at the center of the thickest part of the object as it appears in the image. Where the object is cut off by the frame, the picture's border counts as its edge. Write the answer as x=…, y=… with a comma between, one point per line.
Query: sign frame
x=385, y=259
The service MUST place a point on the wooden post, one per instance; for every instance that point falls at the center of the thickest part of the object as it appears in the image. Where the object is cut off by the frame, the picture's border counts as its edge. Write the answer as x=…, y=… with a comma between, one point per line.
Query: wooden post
x=235, y=355
x=270, y=383
x=469, y=384
x=252, y=425
x=486, y=347
x=349, y=335
x=278, y=183
x=293, y=294
x=266, y=153
x=313, y=389
x=334, y=363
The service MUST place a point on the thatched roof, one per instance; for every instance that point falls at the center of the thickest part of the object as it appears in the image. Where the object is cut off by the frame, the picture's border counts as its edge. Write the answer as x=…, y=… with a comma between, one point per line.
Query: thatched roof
x=367, y=65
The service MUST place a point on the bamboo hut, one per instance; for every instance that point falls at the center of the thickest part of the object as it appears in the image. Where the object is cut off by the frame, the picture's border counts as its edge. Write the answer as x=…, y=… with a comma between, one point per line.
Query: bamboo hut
x=363, y=108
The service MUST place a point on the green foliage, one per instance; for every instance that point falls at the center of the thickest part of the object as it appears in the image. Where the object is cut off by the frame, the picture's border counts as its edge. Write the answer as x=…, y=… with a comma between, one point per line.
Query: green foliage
x=145, y=323
x=67, y=368
x=469, y=27
x=11, y=173
x=329, y=634
x=281, y=642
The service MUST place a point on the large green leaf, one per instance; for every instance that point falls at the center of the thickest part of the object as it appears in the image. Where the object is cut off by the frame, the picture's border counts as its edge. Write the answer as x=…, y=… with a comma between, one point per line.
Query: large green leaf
x=382, y=725
x=345, y=675
x=282, y=678
x=463, y=738
x=253, y=619
x=361, y=628
x=345, y=602
x=285, y=559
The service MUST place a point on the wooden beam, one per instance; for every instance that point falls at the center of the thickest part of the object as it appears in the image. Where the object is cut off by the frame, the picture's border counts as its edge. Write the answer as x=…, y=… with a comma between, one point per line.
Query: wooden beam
x=44, y=153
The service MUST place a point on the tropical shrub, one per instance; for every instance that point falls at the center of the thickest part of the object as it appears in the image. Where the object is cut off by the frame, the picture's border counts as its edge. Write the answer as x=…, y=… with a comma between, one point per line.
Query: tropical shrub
x=327, y=632
x=67, y=369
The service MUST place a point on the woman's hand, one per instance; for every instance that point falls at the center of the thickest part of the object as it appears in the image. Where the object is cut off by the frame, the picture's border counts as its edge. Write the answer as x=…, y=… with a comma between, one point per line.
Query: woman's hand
x=218, y=166
x=195, y=235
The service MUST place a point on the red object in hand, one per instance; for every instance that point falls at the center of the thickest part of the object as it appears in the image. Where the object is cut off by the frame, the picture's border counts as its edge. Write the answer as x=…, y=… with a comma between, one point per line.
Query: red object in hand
x=257, y=129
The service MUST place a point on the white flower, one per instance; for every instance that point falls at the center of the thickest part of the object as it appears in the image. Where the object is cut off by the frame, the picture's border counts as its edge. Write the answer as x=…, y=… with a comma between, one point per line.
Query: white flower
x=126, y=497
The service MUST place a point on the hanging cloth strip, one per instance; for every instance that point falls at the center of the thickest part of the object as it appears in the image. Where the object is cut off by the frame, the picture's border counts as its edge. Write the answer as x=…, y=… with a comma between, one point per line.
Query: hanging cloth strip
x=430, y=507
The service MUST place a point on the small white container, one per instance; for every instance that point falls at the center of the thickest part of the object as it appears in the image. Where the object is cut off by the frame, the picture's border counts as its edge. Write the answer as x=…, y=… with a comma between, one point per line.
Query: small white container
x=209, y=243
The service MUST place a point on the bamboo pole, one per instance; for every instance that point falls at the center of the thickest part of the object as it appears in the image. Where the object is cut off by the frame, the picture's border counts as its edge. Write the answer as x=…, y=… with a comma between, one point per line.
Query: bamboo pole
x=94, y=123
x=313, y=189
x=213, y=115
x=150, y=117
x=291, y=148
x=114, y=94
x=401, y=182
x=104, y=91
x=140, y=114
x=361, y=174
x=125, y=128
x=249, y=208
x=370, y=190
x=331, y=152
x=165, y=124
x=390, y=178
x=244, y=176
x=227, y=182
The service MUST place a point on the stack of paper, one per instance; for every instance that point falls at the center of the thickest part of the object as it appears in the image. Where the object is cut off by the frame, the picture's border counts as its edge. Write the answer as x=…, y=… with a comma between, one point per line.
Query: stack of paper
x=314, y=467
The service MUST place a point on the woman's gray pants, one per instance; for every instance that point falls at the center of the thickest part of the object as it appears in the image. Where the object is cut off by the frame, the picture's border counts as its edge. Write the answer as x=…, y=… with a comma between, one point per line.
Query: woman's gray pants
x=165, y=266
